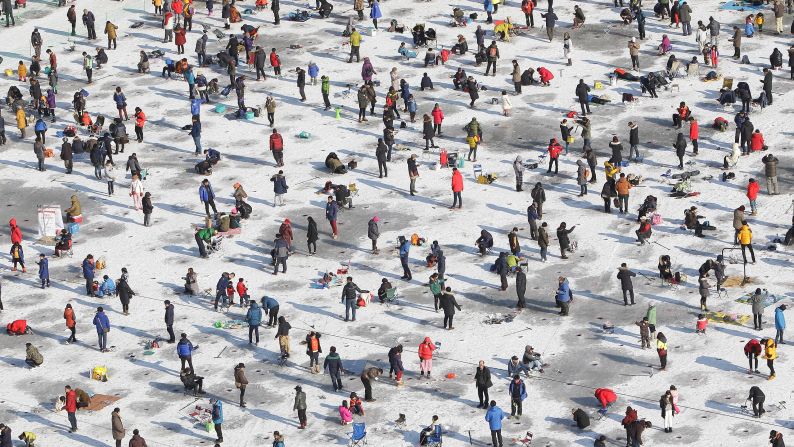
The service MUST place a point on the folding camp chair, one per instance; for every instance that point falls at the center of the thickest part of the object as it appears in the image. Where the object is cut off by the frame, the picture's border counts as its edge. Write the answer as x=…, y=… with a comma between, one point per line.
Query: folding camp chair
x=727, y=83
x=435, y=440
x=391, y=296
x=359, y=435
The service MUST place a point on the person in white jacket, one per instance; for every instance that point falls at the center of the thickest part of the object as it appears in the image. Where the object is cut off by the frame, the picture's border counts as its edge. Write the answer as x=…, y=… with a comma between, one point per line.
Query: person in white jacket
x=110, y=176
x=507, y=106
x=730, y=160
x=136, y=192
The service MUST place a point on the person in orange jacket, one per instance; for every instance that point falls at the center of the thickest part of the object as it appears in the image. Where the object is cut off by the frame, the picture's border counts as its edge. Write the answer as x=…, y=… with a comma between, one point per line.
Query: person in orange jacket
x=68, y=315
x=242, y=292
x=438, y=118
x=752, y=193
x=426, y=349
x=694, y=133
x=555, y=149
x=457, y=188
x=140, y=121
x=757, y=141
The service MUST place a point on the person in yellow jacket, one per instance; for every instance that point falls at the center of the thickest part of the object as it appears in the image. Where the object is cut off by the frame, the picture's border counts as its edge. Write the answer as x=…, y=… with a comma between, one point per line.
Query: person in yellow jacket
x=22, y=71
x=746, y=240
x=770, y=352
x=110, y=30
x=29, y=438
x=661, y=349
x=611, y=170
x=22, y=121
x=503, y=30
x=158, y=6
x=355, y=43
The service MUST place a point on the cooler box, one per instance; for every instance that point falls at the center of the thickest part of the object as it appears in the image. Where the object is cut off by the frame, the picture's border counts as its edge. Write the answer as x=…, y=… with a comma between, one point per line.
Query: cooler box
x=73, y=228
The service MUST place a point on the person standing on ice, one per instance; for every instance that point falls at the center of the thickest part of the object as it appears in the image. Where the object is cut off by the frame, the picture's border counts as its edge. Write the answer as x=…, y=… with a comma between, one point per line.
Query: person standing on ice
x=349, y=296
x=333, y=363
x=300, y=406
x=666, y=404
x=494, y=417
x=102, y=324
x=426, y=349
x=661, y=349
x=277, y=146
x=404, y=250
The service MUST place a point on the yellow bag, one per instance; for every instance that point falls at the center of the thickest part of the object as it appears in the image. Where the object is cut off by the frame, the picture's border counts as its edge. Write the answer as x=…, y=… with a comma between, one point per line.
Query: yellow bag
x=598, y=85
x=9, y=72
x=100, y=373
x=570, y=139
x=481, y=179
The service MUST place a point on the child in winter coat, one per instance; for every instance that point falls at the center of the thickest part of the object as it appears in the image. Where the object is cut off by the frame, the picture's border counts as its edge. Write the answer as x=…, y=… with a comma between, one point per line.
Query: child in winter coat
x=242, y=292
x=229, y=294
x=17, y=257
x=700, y=326
x=344, y=413
x=22, y=71
x=507, y=106
x=147, y=209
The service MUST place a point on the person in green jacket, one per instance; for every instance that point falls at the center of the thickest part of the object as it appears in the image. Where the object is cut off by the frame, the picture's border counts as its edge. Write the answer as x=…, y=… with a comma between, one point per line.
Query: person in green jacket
x=651, y=316
x=203, y=236
x=436, y=287
x=325, y=88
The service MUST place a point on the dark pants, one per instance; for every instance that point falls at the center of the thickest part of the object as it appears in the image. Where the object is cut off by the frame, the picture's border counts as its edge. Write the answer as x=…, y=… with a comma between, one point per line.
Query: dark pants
x=437, y=128
x=635, y=62
x=303, y=94
x=758, y=406
x=89, y=282
x=336, y=380
x=91, y=31
x=283, y=262
x=496, y=438
x=482, y=394
x=367, y=388
x=273, y=316
x=771, y=365
x=171, y=336
x=72, y=337
x=202, y=248
x=663, y=359
x=406, y=270
x=779, y=336
x=189, y=360
x=354, y=52
x=382, y=169
x=253, y=329
x=752, y=255
x=530, y=19
x=554, y=162
x=219, y=431
x=350, y=307
x=624, y=203
x=210, y=203
x=515, y=407
x=757, y=325
x=491, y=63
x=72, y=420
x=503, y=280
x=139, y=133
x=242, y=394
x=626, y=294
x=695, y=146
x=585, y=107
x=457, y=199
x=302, y=417
x=448, y=320
x=750, y=360
x=326, y=101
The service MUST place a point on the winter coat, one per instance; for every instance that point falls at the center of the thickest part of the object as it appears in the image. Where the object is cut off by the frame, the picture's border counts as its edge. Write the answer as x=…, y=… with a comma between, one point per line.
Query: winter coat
x=124, y=291
x=703, y=287
x=333, y=363
x=300, y=401
x=448, y=303
x=101, y=322
x=757, y=301
x=279, y=184
x=543, y=238
x=482, y=377
x=372, y=230
x=457, y=181
x=88, y=269
x=752, y=190
x=562, y=237
x=623, y=186
x=371, y=373
x=538, y=194
x=33, y=354
x=770, y=166
x=494, y=416
x=239, y=376
x=206, y=193
x=331, y=210
x=254, y=315
x=582, y=91
x=426, y=349
x=22, y=122
x=68, y=315
x=564, y=293
x=117, y=426
x=581, y=178
x=780, y=319
x=375, y=13
x=517, y=388
x=217, y=412
x=625, y=275
x=184, y=349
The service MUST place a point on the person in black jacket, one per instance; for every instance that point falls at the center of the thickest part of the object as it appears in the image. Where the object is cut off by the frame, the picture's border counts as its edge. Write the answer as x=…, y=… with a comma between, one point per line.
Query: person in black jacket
x=169, y=321
x=349, y=295
x=502, y=269
x=448, y=304
x=625, y=275
x=581, y=418
x=758, y=397
x=538, y=195
x=562, y=237
x=312, y=235
x=381, y=154
x=582, y=91
x=680, y=149
x=396, y=363
x=333, y=363
x=521, y=287
x=767, y=81
x=301, y=82
x=482, y=378
x=125, y=294
x=147, y=209
x=66, y=155
x=634, y=141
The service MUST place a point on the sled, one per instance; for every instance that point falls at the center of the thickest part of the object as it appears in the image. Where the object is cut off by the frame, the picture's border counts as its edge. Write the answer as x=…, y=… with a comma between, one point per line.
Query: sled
x=769, y=299
x=100, y=401
x=218, y=33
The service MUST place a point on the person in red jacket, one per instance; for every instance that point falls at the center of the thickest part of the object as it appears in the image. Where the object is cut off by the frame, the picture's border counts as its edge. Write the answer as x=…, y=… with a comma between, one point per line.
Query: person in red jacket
x=752, y=350
x=631, y=416
x=426, y=356
x=757, y=141
x=17, y=327
x=140, y=121
x=178, y=7
x=555, y=149
x=752, y=193
x=275, y=61
x=180, y=39
x=528, y=6
x=16, y=233
x=277, y=147
x=457, y=188
x=545, y=76
x=606, y=397
x=694, y=132
x=71, y=407
x=438, y=118
x=242, y=292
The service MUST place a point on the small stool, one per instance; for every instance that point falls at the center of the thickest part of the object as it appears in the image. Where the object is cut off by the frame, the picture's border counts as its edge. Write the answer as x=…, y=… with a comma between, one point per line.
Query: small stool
x=675, y=87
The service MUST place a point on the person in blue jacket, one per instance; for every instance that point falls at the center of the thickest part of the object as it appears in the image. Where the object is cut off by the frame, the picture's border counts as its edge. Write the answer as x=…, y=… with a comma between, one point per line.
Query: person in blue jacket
x=41, y=129
x=494, y=416
x=184, y=349
x=314, y=71
x=405, y=248
x=108, y=287
x=207, y=196
x=488, y=6
x=88, y=274
x=564, y=296
x=271, y=309
x=780, y=324
x=375, y=13
x=190, y=78
x=220, y=288
x=102, y=324
x=121, y=104
x=195, y=132
x=217, y=418
x=518, y=392
x=331, y=211
x=44, y=270
x=254, y=318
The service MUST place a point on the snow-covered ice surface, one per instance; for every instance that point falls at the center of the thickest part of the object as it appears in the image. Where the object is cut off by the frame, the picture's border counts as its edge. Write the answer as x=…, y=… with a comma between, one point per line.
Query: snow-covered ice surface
x=709, y=370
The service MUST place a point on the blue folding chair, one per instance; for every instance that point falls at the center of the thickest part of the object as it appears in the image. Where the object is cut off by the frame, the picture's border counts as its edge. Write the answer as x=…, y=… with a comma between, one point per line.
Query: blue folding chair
x=435, y=440
x=359, y=435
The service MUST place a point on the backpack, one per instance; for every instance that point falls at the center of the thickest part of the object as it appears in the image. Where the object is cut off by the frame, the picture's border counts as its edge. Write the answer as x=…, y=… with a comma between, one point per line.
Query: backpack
x=586, y=173
x=492, y=51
